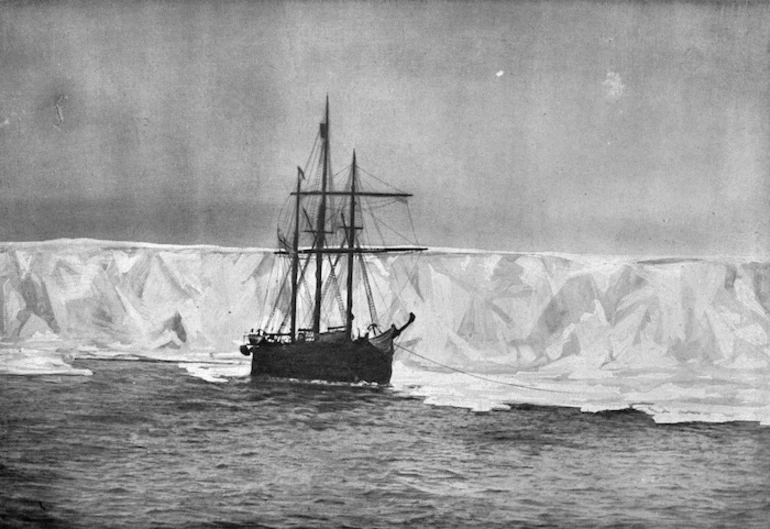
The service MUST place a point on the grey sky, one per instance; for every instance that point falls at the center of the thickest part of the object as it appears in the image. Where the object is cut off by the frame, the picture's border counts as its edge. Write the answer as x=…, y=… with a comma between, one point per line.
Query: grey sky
x=590, y=127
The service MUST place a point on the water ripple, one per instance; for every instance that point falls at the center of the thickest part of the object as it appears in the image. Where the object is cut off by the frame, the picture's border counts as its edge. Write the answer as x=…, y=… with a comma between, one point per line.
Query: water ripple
x=140, y=445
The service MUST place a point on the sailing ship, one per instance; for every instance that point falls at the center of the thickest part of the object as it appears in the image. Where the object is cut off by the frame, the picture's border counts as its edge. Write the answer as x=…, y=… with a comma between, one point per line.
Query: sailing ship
x=327, y=242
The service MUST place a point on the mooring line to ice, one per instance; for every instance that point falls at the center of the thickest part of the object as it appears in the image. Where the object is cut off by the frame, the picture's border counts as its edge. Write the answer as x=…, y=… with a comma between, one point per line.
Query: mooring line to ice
x=480, y=377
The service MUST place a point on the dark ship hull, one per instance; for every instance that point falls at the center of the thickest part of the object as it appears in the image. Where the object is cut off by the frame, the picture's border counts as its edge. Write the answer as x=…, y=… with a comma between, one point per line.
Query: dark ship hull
x=351, y=362
x=332, y=358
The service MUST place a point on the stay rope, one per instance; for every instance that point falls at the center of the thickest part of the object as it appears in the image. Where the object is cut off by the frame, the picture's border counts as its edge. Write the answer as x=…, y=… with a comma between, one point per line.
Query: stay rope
x=480, y=377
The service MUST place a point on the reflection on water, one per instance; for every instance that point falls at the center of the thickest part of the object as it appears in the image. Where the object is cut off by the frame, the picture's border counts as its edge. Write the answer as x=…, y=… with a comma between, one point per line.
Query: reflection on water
x=141, y=445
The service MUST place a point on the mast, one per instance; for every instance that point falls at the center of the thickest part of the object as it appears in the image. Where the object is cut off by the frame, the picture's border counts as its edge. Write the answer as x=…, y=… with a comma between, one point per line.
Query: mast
x=351, y=246
x=295, y=259
x=321, y=224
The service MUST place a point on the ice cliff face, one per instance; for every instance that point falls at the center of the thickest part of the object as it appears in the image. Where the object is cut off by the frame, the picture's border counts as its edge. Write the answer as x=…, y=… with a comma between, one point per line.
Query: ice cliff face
x=528, y=311
x=691, y=333
x=485, y=311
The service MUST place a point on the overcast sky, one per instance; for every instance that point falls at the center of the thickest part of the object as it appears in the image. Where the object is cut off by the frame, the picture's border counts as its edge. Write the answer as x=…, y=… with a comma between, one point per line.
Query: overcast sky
x=584, y=127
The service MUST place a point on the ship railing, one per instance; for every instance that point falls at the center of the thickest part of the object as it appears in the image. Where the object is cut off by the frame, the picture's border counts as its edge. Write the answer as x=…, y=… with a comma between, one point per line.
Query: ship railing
x=259, y=336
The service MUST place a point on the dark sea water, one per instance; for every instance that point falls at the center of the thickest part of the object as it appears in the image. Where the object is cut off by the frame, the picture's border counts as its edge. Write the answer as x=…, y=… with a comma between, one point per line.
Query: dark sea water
x=143, y=444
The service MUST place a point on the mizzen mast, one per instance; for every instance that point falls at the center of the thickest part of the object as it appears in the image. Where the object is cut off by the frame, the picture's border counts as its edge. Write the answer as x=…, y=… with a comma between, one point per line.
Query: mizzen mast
x=295, y=258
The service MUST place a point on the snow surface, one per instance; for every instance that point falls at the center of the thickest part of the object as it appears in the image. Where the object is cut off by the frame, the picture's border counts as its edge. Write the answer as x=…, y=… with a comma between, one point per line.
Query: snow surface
x=682, y=339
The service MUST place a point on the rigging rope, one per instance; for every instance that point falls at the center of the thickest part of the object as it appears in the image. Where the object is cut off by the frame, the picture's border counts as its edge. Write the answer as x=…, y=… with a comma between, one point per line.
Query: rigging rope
x=368, y=289
x=300, y=280
x=397, y=298
x=333, y=280
x=382, y=238
x=312, y=151
x=267, y=289
x=381, y=181
x=306, y=291
x=277, y=301
x=379, y=222
x=411, y=223
x=480, y=377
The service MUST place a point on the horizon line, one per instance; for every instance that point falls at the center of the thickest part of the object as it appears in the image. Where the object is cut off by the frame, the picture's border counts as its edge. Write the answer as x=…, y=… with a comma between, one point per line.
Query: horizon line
x=430, y=250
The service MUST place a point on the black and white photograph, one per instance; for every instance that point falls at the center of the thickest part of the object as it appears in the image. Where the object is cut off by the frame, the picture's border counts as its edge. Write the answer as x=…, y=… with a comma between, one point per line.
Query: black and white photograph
x=350, y=264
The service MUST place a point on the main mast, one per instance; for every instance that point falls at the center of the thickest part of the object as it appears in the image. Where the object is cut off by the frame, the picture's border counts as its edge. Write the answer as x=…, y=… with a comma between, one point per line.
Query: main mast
x=321, y=225
x=351, y=246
